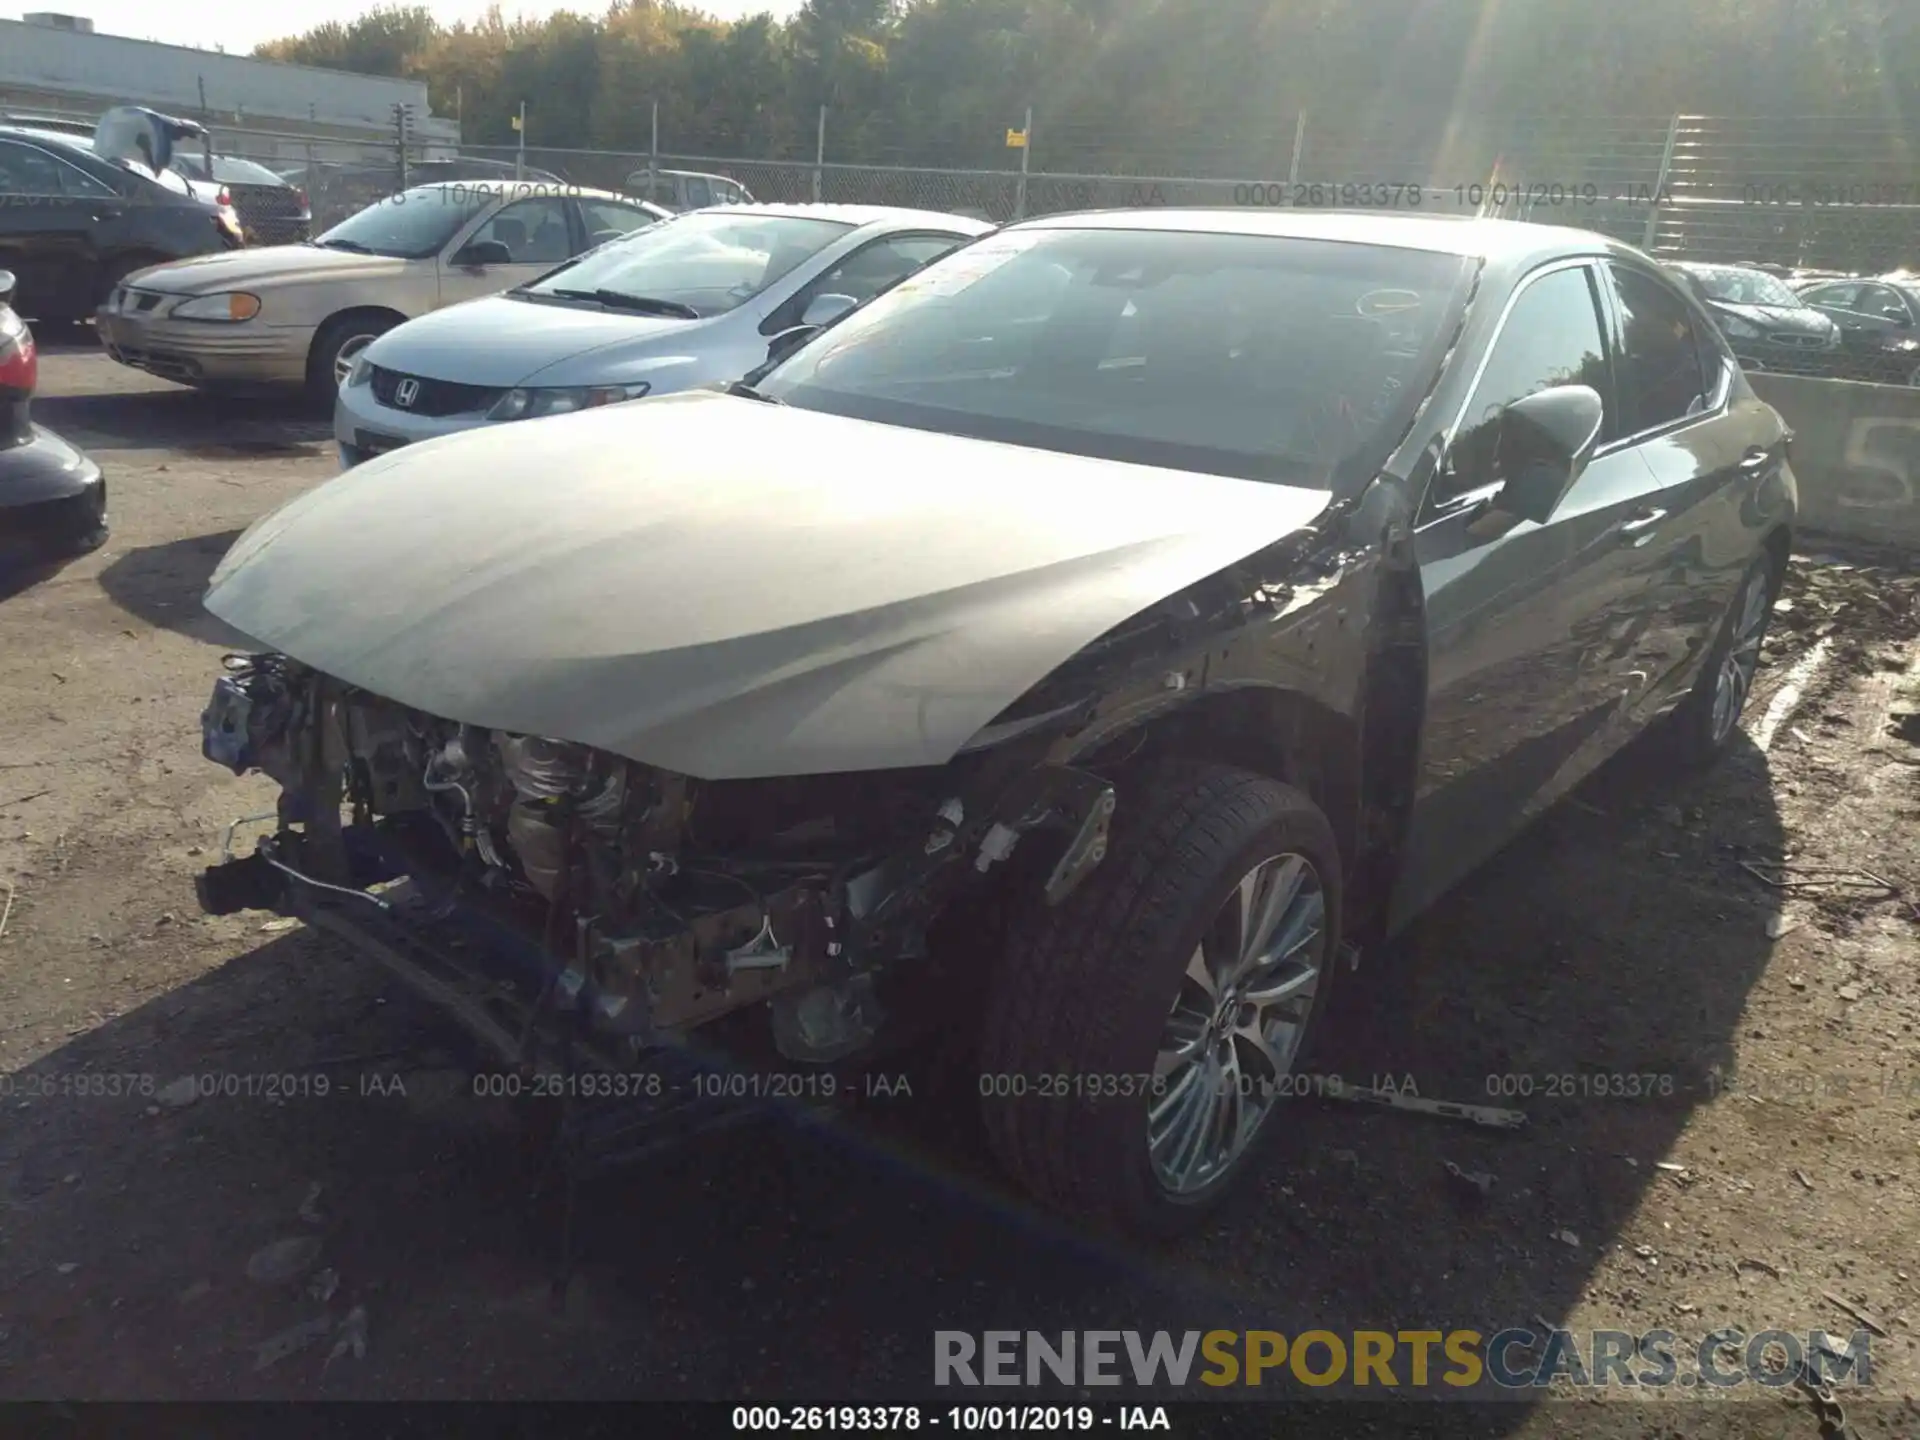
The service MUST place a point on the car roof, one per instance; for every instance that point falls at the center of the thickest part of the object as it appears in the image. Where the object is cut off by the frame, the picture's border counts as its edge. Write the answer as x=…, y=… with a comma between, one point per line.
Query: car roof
x=858, y=215
x=1507, y=241
x=34, y=133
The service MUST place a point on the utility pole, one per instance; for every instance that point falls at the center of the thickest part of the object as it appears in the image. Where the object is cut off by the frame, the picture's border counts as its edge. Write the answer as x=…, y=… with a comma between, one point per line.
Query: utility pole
x=1026, y=151
x=653, y=157
x=520, y=156
x=402, y=124
x=819, y=154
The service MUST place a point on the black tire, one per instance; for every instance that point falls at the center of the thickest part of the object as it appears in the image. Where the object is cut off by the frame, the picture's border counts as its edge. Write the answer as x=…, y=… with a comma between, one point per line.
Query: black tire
x=1690, y=736
x=1084, y=991
x=340, y=333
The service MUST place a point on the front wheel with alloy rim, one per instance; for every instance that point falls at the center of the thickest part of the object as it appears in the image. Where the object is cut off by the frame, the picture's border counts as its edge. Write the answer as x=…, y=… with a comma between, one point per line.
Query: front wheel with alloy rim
x=1141, y=1039
x=1703, y=727
x=336, y=347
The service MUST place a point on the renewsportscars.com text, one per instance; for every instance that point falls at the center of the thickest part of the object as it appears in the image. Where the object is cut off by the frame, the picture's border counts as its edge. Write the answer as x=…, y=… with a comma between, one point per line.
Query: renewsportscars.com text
x=1513, y=1358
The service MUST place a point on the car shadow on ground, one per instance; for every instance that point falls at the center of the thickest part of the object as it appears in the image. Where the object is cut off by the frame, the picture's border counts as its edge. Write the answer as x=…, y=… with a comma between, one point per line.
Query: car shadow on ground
x=163, y=585
x=788, y=1260
x=195, y=423
x=22, y=568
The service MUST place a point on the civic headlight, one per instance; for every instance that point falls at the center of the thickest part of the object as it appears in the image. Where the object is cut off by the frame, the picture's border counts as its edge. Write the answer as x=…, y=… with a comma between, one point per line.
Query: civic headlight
x=362, y=370
x=1739, y=328
x=228, y=307
x=531, y=404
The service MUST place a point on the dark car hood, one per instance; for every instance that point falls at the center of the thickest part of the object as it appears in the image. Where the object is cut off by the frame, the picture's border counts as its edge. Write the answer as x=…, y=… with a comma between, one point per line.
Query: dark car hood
x=1801, y=320
x=727, y=588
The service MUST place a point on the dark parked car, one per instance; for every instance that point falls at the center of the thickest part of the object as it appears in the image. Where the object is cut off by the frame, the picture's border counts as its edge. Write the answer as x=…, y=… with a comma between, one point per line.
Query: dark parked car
x=1879, y=321
x=271, y=211
x=1768, y=326
x=74, y=224
x=1136, y=615
x=52, y=497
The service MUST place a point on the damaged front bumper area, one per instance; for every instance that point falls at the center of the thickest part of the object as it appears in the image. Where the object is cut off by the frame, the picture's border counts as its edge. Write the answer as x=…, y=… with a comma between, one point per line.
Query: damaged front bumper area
x=577, y=910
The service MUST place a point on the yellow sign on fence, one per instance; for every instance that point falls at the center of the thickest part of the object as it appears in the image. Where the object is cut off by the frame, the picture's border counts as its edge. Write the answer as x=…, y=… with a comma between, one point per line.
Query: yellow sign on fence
x=1016, y=139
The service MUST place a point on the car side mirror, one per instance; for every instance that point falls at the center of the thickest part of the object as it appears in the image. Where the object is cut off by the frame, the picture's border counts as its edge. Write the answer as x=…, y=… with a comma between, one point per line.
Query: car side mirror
x=482, y=253
x=1545, y=441
x=788, y=341
x=823, y=310
x=7, y=283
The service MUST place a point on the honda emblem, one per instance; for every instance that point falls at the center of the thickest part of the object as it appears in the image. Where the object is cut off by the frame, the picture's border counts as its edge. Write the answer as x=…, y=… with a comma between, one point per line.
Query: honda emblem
x=405, y=393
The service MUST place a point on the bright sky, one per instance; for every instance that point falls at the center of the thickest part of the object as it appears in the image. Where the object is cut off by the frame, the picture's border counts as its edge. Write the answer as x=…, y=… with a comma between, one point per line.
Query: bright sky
x=239, y=26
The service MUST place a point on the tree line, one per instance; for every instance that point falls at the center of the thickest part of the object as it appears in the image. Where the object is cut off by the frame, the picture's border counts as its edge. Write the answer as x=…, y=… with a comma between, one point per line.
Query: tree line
x=1213, y=86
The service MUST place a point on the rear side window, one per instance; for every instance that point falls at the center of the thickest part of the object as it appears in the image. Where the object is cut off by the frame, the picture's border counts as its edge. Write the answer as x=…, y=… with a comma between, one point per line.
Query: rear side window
x=1661, y=377
x=1883, y=301
x=1551, y=337
x=1715, y=356
x=29, y=170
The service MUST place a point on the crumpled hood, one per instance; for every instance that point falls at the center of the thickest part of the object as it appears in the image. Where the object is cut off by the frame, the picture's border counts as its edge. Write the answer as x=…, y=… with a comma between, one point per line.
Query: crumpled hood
x=728, y=588
x=268, y=265
x=501, y=341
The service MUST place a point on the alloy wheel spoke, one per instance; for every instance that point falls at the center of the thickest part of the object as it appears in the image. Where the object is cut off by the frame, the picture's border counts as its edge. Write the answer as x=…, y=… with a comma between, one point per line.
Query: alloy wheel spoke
x=1188, y=1034
x=1200, y=973
x=1178, y=1094
x=1196, y=1121
x=1291, y=984
x=1265, y=897
x=1255, y=1037
x=1232, y=1032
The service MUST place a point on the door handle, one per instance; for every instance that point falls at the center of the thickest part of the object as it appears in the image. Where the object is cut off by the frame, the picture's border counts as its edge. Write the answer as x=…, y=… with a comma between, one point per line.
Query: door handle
x=1638, y=528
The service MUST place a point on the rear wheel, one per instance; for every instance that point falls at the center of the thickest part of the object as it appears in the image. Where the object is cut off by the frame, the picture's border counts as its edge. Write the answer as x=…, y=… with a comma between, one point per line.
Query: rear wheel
x=1141, y=1038
x=337, y=345
x=1702, y=729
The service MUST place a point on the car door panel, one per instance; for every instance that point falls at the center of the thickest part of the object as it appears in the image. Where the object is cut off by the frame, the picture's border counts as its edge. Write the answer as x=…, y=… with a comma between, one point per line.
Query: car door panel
x=1706, y=464
x=1529, y=626
x=47, y=232
x=537, y=231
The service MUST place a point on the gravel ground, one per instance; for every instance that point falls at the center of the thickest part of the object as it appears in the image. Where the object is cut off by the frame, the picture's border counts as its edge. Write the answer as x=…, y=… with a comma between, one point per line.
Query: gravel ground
x=1770, y=1172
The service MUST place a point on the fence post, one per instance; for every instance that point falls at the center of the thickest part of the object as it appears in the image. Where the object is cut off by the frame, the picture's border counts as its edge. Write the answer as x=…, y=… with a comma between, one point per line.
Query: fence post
x=1299, y=144
x=819, y=154
x=1026, y=155
x=653, y=157
x=1660, y=184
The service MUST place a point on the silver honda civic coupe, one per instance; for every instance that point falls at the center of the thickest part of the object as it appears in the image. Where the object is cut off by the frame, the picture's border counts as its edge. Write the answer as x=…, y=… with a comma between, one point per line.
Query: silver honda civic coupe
x=694, y=300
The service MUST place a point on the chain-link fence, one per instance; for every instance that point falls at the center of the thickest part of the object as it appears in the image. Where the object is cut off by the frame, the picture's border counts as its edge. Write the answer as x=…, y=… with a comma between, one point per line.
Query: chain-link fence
x=1839, y=194
x=1808, y=193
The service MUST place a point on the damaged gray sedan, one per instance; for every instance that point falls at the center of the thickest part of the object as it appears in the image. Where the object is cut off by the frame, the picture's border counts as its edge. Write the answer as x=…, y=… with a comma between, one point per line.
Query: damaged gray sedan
x=1126, y=622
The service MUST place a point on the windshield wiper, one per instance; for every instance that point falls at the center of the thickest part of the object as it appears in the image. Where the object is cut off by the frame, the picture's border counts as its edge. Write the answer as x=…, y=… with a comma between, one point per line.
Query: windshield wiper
x=354, y=245
x=747, y=392
x=620, y=300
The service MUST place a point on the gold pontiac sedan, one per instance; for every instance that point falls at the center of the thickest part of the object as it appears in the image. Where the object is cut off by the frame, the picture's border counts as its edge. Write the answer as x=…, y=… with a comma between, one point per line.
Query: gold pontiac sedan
x=297, y=315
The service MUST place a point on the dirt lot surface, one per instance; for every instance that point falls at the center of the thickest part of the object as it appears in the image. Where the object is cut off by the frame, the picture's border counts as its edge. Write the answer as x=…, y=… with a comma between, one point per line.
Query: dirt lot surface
x=1767, y=1175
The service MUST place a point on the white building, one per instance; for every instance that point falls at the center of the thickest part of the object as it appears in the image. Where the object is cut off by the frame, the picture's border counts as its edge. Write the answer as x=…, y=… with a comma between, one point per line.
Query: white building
x=56, y=64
